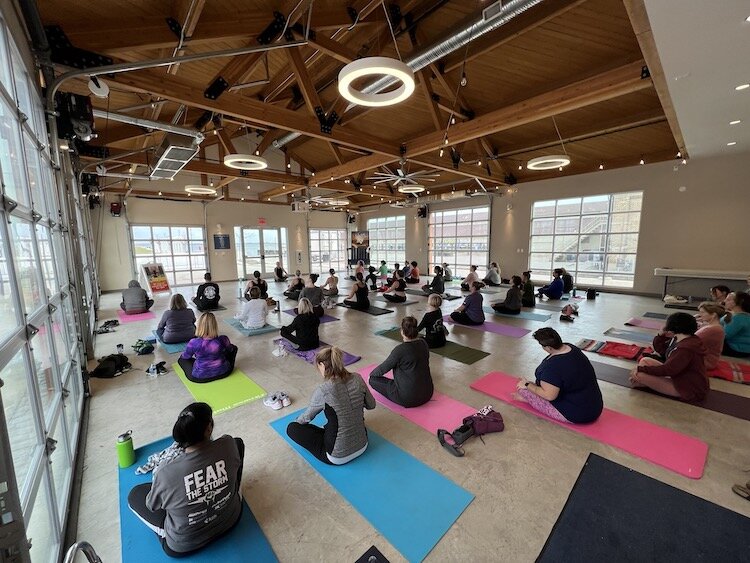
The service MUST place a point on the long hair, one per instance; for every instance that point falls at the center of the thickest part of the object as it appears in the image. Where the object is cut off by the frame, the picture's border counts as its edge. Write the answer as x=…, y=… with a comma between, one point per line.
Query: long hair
x=207, y=327
x=177, y=303
x=304, y=306
x=332, y=359
x=191, y=424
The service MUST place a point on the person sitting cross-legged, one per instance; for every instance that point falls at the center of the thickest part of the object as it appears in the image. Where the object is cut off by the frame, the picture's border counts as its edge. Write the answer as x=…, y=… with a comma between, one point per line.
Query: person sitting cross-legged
x=279, y=273
x=360, y=293
x=254, y=312
x=470, y=278
x=208, y=356
x=207, y=297
x=178, y=323
x=135, y=299
x=512, y=303
x=314, y=294
x=554, y=289
x=471, y=312
x=432, y=322
x=413, y=276
x=437, y=285
x=303, y=331
x=736, y=325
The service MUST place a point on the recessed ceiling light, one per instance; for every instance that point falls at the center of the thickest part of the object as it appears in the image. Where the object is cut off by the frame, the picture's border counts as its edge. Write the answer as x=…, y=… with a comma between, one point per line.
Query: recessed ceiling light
x=731, y=144
x=735, y=122
x=742, y=87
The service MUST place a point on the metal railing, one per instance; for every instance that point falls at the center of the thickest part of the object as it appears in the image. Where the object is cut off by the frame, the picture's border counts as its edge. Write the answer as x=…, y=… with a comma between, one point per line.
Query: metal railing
x=85, y=548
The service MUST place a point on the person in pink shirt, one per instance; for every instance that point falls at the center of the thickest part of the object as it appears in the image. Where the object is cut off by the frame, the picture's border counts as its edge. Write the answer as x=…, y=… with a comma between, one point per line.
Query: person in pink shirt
x=711, y=332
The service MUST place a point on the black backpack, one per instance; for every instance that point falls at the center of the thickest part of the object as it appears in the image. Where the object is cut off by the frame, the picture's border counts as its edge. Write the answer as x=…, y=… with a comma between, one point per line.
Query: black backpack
x=111, y=366
x=591, y=293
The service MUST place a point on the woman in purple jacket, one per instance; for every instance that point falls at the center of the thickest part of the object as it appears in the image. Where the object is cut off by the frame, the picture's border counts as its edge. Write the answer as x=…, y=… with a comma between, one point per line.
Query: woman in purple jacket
x=208, y=356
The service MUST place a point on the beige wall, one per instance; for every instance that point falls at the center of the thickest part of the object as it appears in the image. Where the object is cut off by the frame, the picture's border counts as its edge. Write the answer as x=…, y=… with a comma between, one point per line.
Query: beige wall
x=113, y=244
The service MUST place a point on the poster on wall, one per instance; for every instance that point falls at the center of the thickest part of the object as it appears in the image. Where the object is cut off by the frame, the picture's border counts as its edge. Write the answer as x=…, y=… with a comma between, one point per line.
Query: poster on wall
x=156, y=278
x=360, y=239
x=221, y=242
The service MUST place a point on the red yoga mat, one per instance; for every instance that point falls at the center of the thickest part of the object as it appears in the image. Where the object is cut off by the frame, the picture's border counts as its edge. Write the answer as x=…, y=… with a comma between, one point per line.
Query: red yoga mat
x=439, y=412
x=731, y=371
x=125, y=318
x=674, y=451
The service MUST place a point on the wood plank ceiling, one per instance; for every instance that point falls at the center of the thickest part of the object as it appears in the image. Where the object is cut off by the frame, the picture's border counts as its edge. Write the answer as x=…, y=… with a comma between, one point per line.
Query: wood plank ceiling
x=572, y=66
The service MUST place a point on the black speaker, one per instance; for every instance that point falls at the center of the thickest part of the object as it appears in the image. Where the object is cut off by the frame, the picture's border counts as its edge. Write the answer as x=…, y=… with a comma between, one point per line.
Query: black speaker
x=422, y=212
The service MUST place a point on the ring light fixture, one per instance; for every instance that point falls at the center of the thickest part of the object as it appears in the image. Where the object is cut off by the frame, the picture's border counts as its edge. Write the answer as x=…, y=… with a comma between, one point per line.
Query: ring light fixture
x=245, y=162
x=199, y=190
x=411, y=189
x=370, y=66
x=548, y=162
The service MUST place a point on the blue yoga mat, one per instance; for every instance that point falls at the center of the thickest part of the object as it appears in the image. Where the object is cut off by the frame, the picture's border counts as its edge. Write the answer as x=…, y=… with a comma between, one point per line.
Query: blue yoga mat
x=632, y=335
x=140, y=544
x=526, y=315
x=234, y=323
x=407, y=502
x=170, y=348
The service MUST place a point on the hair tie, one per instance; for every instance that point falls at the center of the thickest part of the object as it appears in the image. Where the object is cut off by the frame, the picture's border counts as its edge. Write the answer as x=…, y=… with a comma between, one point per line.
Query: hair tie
x=186, y=413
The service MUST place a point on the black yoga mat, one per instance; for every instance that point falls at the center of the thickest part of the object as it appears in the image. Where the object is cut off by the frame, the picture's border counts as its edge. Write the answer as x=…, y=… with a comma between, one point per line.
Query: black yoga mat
x=717, y=401
x=372, y=310
x=616, y=514
x=423, y=294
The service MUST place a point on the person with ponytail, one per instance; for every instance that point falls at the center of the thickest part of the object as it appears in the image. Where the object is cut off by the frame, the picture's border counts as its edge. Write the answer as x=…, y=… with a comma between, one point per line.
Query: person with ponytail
x=359, y=289
x=342, y=397
x=411, y=385
x=438, y=283
x=194, y=497
x=711, y=332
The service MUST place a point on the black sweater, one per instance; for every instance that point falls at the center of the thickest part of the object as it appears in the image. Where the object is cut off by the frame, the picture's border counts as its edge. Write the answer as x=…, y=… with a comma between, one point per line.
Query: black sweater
x=434, y=338
x=410, y=362
x=306, y=327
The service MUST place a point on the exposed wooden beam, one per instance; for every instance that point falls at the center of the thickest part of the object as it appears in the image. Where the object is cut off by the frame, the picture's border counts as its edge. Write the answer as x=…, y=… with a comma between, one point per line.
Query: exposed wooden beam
x=225, y=141
x=247, y=109
x=642, y=28
x=330, y=47
x=188, y=13
x=490, y=152
x=111, y=134
x=446, y=164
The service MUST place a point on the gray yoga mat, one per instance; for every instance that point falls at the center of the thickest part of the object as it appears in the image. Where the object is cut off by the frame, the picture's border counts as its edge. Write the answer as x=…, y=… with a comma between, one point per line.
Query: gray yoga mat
x=384, y=300
x=525, y=315
x=651, y=315
x=632, y=335
x=371, y=311
x=421, y=293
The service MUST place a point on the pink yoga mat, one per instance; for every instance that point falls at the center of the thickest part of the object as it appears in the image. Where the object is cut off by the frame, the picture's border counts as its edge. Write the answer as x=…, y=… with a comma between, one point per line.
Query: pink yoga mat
x=125, y=318
x=497, y=328
x=440, y=412
x=655, y=324
x=674, y=451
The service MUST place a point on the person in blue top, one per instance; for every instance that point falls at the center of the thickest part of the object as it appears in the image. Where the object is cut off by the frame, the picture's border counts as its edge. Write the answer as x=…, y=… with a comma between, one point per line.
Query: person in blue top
x=471, y=312
x=554, y=289
x=565, y=388
x=737, y=325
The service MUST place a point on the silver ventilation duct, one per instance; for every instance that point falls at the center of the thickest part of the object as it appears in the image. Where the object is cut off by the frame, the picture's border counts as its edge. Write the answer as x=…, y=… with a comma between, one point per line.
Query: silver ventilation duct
x=492, y=17
x=148, y=124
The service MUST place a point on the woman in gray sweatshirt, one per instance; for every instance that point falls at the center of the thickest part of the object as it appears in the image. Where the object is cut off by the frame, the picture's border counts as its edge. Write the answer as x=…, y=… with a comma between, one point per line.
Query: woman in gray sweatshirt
x=342, y=396
x=178, y=323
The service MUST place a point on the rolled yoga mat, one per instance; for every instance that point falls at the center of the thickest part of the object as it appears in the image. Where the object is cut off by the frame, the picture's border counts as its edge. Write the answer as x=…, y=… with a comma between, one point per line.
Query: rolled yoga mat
x=408, y=503
x=615, y=513
x=489, y=326
x=525, y=315
x=323, y=319
x=371, y=311
x=170, y=348
x=421, y=293
x=633, y=335
x=674, y=451
x=716, y=401
x=125, y=318
x=652, y=324
x=139, y=544
x=234, y=323
x=441, y=411
x=223, y=394
x=309, y=355
x=463, y=354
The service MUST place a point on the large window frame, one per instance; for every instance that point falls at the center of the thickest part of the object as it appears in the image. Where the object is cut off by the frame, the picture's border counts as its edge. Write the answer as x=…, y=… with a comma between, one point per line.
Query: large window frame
x=460, y=237
x=595, y=238
x=387, y=239
x=329, y=248
x=186, y=266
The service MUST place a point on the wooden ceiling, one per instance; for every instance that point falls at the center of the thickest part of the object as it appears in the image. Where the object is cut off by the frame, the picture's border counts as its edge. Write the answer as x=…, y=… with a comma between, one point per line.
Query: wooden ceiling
x=567, y=69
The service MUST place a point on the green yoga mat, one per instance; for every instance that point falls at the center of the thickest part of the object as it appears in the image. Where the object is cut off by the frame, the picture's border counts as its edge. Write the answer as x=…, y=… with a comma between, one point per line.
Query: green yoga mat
x=451, y=350
x=224, y=394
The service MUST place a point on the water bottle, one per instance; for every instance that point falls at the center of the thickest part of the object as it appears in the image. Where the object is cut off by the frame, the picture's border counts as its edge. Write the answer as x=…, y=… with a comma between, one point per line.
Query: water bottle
x=125, y=450
x=120, y=349
x=574, y=292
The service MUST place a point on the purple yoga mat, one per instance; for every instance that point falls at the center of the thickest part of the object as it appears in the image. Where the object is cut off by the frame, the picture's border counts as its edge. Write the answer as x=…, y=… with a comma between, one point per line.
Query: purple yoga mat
x=309, y=356
x=497, y=328
x=323, y=319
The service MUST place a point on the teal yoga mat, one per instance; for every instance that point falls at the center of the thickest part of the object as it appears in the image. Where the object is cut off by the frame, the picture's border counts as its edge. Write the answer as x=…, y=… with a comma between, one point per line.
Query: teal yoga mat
x=234, y=323
x=139, y=544
x=408, y=503
x=526, y=315
x=170, y=348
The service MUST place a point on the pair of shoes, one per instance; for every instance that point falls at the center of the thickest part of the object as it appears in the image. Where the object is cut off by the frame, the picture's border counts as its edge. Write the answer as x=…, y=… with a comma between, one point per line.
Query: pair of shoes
x=566, y=318
x=111, y=323
x=744, y=492
x=277, y=400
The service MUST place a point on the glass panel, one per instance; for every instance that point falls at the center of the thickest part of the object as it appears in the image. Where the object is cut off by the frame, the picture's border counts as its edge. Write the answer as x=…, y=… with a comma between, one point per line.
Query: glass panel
x=33, y=174
x=623, y=243
x=23, y=94
x=45, y=255
x=621, y=263
x=625, y=222
x=541, y=244
x=566, y=225
x=592, y=243
x=25, y=260
x=595, y=204
x=10, y=156
x=594, y=224
x=630, y=201
x=543, y=209
x=5, y=63
x=179, y=233
x=590, y=263
x=141, y=232
x=7, y=302
x=70, y=409
x=39, y=528
x=18, y=416
x=542, y=226
x=618, y=280
x=570, y=206
x=540, y=261
x=566, y=243
x=60, y=466
x=196, y=233
x=42, y=359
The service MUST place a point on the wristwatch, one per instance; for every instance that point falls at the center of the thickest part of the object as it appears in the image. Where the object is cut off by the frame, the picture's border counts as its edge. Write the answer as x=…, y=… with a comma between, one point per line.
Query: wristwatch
x=527, y=384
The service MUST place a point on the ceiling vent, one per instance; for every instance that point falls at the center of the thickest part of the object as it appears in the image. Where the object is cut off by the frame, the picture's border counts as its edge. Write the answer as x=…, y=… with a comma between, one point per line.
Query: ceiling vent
x=300, y=206
x=173, y=154
x=493, y=10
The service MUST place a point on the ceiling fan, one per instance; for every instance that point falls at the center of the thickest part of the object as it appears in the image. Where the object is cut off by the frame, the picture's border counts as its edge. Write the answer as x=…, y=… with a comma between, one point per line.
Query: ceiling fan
x=401, y=176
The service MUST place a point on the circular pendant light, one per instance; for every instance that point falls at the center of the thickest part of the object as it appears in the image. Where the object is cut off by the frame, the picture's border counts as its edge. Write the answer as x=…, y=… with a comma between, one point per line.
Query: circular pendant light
x=370, y=66
x=548, y=162
x=245, y=162
x=411, y=189
x=199, y=190
x=338, y=202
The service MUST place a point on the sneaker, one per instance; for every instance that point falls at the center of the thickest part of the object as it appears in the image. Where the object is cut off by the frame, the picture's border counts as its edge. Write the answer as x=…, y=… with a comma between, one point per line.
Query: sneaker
x=284, y=398
x=566, y=318
x=273, y=401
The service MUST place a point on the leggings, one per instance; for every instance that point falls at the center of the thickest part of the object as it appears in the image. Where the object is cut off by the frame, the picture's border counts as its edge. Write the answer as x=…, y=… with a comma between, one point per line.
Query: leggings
x=500, y=308
x=310, y=437
x=362, y=306
x=394, y=298
x=372, y=278
x=154, y=519
x=304, y=344
x=149, y=304
x=464, y=319
x=542, y=405
x=187, y=367
x=528, y=302
x=729, y=351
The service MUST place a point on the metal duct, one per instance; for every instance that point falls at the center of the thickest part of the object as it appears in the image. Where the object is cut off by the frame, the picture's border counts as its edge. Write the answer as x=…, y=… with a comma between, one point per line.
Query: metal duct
x=439, y=49
x=148, y=124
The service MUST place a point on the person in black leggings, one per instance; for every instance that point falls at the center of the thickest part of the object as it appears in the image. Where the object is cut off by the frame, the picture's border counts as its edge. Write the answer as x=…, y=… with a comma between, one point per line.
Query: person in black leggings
x=359, y=289
x=395, y=293
x=372, y=278
x=305, y=325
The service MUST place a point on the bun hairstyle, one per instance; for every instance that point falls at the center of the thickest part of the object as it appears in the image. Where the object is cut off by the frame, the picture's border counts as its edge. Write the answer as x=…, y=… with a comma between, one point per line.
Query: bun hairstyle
x=191, y=424
x=332, y=359
x=409, y=327
x=477, y=285
x=473, y=268
x=712, y=308
x=332, y=271
x=314, y=277
x=517, y=281
x=681, y=323
x=742, y=300
x=438, y=271
x=256, y=274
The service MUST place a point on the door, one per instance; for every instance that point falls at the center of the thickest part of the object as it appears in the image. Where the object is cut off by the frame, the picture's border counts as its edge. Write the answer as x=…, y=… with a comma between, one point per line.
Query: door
x=261, y=249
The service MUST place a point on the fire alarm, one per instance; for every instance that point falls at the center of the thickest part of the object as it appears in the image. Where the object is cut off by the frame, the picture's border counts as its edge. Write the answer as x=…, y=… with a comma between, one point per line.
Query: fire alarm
x=114, y=209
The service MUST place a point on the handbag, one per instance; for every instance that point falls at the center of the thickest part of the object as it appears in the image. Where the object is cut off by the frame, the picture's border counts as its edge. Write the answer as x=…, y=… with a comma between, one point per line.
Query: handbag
x=485, y=421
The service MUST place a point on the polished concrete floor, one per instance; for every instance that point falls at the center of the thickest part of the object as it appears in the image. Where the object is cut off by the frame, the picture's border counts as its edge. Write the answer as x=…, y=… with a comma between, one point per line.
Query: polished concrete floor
x=521, y=478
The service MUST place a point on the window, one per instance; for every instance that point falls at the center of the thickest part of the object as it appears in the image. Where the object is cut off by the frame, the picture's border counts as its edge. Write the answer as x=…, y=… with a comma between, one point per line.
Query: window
x=180, y=250
x=328, y=249
x=460, y=237
x=595, y=238
x=387, y=239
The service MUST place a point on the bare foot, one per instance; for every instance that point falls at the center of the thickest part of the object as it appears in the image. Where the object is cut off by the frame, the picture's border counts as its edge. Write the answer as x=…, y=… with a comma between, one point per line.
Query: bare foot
x=518, y=397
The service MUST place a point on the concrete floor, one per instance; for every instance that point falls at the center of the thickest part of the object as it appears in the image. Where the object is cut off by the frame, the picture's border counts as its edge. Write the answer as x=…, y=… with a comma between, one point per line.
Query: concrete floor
x=521, y=477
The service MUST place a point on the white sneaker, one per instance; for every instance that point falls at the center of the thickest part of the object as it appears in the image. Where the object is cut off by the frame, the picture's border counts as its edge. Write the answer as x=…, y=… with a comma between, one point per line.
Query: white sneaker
x=273, y=401
x=284, y=398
